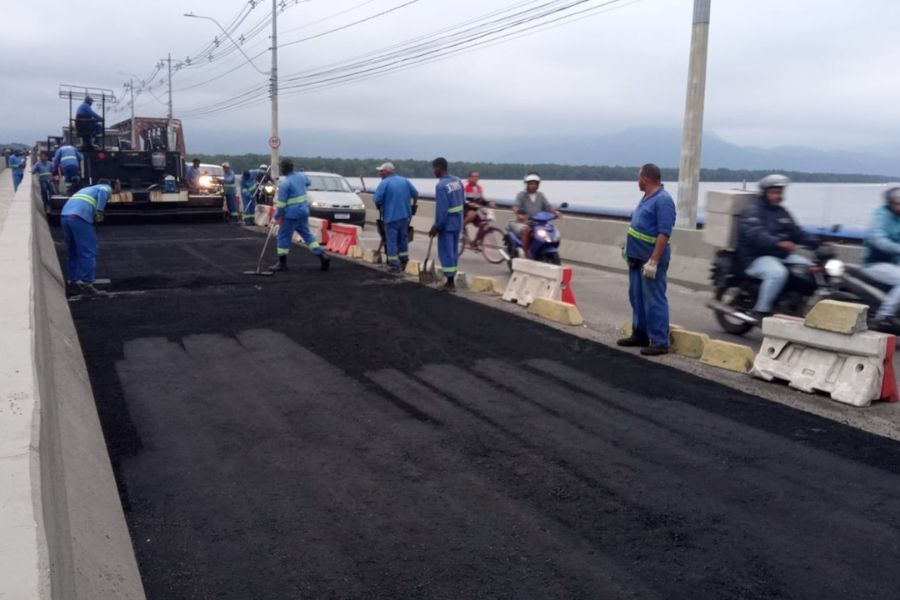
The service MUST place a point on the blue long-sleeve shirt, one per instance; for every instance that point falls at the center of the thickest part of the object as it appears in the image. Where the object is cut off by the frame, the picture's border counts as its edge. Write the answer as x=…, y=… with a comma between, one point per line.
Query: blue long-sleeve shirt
x=393, y=197
x=87, y=202
x=449, y=198
x=43, y=169
x=654, y=216
x=85, y=110
x=292, y=200
x=882, y=242
x=17, y=163
x=229, y=183
x=66, y=155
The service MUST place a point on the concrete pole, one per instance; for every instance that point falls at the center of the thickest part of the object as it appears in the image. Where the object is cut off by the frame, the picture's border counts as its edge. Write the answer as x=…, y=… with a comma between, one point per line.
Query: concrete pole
x=692, y=137
x=133, y=131
x=273, y=164
x=169, y=137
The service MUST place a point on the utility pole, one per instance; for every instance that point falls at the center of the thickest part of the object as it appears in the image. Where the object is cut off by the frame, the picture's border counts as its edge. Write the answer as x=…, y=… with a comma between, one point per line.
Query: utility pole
x=692, y=136
x=274, y=140
x=133, y=130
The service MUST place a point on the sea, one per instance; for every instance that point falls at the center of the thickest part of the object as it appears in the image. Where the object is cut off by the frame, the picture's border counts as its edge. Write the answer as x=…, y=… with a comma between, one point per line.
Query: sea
x=843, y=207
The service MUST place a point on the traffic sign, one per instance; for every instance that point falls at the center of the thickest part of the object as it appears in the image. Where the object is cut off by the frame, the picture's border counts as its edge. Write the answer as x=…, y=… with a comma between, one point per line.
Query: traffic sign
x=274, y=141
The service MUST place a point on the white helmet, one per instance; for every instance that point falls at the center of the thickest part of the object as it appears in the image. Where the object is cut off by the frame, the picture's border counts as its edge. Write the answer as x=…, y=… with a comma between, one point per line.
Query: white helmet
x=532, y=177
x=263, y=167
x=771, y=181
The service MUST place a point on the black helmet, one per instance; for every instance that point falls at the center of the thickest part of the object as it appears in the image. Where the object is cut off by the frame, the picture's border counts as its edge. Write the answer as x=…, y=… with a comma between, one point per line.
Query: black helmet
x=88, y=99
x=892, y=195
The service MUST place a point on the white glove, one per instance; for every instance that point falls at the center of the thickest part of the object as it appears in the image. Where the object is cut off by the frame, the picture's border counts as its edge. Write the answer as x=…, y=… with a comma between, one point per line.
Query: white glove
x=649, y=270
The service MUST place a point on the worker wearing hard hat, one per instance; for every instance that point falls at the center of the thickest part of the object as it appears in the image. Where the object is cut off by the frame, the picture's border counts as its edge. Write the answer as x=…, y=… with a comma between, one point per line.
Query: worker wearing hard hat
x=394, y=197
x=78, y=216
x=229, y=184
x=292, y=214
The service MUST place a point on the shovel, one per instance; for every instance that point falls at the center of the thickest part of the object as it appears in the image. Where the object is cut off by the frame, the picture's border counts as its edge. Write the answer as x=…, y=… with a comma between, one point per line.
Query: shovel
x=428, y=274
x=259, y=270
x=379, y=224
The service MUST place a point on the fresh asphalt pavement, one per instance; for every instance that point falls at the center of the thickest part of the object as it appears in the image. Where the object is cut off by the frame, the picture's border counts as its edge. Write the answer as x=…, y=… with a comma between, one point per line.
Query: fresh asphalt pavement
x=350, y=434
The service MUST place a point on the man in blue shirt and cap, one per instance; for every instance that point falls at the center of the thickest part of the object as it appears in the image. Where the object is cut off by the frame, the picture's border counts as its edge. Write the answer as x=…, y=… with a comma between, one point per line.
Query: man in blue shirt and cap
x=647, y=252
x=449, y=200
x=395, y=198
x=292, y=214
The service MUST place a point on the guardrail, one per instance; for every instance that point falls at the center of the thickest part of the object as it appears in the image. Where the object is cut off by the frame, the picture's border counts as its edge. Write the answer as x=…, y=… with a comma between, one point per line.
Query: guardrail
x=62, y=530
x=597, y=242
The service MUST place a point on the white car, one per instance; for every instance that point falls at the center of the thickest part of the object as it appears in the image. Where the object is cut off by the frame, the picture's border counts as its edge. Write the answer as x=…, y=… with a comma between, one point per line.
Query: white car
x=332, y=198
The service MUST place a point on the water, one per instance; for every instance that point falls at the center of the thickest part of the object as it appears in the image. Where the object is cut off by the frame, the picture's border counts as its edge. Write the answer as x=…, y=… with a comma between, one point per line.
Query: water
x=818, y=205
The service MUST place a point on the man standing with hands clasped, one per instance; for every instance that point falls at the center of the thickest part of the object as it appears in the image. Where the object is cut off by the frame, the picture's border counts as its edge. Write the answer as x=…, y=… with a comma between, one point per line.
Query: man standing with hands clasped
x=449, y=199
x=647, y=252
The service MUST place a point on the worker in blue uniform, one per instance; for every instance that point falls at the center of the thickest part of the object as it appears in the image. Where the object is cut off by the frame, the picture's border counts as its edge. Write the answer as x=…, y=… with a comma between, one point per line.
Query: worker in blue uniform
x=88, y=123
x=68, y=158
x=395, y=198
x=292, y=214
x=249, y=187
x=449, y=202
x=648, y=253
x=78, y=216
x=44, y=172
x=229, y=184
x=192, y=176
x=16, y=164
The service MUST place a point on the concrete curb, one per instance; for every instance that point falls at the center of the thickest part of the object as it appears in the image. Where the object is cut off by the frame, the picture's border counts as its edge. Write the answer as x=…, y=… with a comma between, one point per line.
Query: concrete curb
x=688, y=343
x=728, y=355
x=557, y=311
x=486, y=285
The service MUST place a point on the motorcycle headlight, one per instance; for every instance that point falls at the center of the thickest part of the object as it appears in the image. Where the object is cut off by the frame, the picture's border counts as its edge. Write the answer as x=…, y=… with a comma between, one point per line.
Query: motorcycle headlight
x=835, y=268
x=542, y=233
x=269, y=189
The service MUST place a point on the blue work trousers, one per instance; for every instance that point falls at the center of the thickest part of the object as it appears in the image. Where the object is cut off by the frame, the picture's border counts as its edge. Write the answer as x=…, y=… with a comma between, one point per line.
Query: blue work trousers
x=249, y=202
x=773, y=272
x=70, y=172
x=81, y=249
x=17, y=175
x=649, y=305
x=396, y=242
x=448, y=252
x=889, y=274
x=47, y=190
x=231, y=203
x=301, y=226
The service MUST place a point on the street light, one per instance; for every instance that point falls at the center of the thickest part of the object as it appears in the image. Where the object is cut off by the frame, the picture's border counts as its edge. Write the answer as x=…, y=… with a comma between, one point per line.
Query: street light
x=274, y=140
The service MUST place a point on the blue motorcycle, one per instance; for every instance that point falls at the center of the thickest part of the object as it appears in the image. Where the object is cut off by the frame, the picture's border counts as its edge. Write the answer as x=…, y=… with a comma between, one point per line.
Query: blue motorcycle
x=544, y=245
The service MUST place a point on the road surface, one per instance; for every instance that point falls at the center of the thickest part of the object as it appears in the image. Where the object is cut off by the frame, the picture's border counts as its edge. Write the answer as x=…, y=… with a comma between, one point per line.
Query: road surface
x=352, y=435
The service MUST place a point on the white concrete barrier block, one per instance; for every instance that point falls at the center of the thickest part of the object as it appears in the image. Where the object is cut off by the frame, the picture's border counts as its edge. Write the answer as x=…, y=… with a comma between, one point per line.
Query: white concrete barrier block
x=532, y=279
x=868, y=343
x=728, y=202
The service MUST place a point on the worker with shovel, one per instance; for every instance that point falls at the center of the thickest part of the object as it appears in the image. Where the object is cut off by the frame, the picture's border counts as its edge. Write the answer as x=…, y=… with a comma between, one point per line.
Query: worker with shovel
x=396, y=198
x=449, y=199
x=292, y=214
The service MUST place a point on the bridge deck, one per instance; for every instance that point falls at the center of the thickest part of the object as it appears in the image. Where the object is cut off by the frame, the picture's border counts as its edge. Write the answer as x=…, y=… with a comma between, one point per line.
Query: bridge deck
x=349, y=435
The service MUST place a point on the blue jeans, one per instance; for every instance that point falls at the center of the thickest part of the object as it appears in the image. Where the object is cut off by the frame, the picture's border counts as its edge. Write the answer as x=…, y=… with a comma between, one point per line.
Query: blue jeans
x=773, y=272
x=396, y=241
x=649, y=305
x=81, y=249
x=301, y=226
x=888, y=273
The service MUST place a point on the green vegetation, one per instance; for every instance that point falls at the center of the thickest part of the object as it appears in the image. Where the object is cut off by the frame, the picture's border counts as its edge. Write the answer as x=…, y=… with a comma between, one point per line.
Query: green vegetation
x=354, y=167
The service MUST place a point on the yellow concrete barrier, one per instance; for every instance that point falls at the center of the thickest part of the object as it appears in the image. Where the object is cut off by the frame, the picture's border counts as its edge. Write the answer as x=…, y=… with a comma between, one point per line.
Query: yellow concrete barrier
x=486, y=285
x=726, y=355
x=839, y=317
x=355, y=252
x=554, y=310
x=688, y=343
x=413, y=267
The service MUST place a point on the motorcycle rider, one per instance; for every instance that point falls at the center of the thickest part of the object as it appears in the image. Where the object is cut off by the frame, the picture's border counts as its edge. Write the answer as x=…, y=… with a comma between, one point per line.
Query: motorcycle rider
x=882, y=256
x=767, y=237
x=528, y=203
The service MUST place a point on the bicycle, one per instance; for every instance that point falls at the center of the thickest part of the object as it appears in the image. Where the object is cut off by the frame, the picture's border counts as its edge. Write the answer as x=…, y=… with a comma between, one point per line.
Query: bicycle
x=489, y=240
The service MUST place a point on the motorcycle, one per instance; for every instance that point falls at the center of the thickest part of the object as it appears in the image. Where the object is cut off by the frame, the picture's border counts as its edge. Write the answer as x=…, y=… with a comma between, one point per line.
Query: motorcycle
x=545, y=240
x=735, y=292
x=870, y=291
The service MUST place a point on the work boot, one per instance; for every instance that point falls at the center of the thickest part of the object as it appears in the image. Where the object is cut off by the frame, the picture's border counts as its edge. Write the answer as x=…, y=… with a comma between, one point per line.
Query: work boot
x=655, y=350
x=73, y=288
x=403, y=264
x=281, y=265
x=450, y=285
x=638, y=339
x=88, y=290
x=395, y=269
x=325, y=261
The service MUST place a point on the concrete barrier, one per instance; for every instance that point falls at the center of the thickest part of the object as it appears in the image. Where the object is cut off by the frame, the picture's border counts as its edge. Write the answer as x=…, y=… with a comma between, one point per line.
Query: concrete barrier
x=597, y=242
x=531, y=280
x=62, y=530
x=557, y=311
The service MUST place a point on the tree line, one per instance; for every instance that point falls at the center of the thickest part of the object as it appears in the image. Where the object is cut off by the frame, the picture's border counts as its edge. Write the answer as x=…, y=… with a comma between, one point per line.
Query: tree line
x=352, y=168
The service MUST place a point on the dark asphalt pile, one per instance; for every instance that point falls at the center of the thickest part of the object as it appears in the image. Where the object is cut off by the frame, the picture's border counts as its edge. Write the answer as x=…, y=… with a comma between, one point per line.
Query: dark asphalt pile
x=350, y=435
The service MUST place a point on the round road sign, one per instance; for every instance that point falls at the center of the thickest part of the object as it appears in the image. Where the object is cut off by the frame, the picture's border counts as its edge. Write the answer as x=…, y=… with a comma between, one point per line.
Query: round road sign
x=274, y=141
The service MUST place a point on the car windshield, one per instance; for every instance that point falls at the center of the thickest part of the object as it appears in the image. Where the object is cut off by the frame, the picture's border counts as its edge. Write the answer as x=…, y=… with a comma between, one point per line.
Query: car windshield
x=328, y=183
x=214, y=170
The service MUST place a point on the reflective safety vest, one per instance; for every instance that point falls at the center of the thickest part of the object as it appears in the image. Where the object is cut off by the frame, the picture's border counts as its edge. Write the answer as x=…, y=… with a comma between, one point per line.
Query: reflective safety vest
x=455, y=209
x=640, y=235
x=86, y=198
x=291, y=201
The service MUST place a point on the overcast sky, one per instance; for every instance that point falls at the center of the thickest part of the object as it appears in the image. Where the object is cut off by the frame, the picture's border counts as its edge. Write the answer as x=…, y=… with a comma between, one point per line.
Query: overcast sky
x=818, y=73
